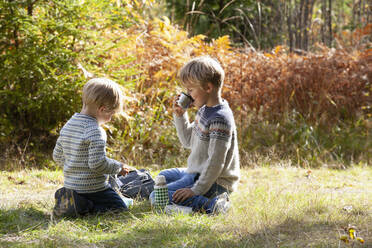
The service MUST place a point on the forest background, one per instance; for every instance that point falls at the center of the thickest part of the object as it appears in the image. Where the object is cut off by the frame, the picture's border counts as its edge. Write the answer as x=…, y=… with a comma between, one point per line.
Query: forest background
x=298, y=78
x=298, y=75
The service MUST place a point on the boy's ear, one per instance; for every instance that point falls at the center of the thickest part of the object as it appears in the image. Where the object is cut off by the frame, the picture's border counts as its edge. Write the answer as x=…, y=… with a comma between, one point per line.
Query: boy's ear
x=101, y=109
x=209, y=87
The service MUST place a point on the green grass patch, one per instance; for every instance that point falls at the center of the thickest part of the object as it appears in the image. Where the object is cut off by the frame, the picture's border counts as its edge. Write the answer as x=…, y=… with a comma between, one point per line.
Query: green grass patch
x=274, y=206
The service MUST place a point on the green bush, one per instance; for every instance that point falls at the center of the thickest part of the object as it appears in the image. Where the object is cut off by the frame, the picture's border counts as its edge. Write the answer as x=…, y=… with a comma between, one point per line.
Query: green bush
x=42, y=43
x=38, y=76
x=41, y=46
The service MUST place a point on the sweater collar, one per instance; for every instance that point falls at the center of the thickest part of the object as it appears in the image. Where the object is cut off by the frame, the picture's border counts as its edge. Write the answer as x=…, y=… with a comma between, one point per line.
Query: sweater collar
x=83, y=116
x=217, y=106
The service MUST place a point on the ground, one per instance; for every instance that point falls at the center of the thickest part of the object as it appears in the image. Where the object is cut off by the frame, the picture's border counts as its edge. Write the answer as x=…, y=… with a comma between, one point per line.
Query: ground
x=276, y=206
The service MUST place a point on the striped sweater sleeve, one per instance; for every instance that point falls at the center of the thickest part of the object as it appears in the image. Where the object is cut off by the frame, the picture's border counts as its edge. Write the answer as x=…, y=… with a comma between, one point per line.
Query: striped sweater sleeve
x=98, y=162
x=58, y=153
x=220, y=132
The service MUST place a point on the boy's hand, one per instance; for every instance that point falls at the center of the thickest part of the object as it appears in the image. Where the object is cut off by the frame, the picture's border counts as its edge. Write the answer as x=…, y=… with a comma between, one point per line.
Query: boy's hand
x=124, y=170
x=182, y=195
x=177, y=109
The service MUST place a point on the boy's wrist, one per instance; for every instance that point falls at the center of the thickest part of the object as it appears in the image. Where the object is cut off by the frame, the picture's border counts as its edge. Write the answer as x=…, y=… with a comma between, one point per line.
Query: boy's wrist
x=179, y=115
x=179, y=112
x=124, y=170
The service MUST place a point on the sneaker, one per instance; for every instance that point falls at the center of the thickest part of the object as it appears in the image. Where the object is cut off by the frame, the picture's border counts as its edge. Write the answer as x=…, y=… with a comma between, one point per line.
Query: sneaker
x=222, y=204
x=177, y=209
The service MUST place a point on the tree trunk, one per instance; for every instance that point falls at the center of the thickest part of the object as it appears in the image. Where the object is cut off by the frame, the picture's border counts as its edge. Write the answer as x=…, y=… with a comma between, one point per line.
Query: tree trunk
x=360, y=13
x=366, y=6
x=173, y=9
x=306, y=16
x=187, y=17
x=289, y=23
x=311, y=12
x=330, y=23
x=259, y=23
x=15, y=30
x=218, y=18
x=279, y=12
x=324, y=16
x=353, y=13
x=302, y=23
x=30, y=6
x=299, y=25
x=369, y=10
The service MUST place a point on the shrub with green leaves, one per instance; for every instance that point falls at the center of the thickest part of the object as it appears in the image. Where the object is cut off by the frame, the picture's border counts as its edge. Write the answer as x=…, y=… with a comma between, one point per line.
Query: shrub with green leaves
x=38, y=76
x=42, y=44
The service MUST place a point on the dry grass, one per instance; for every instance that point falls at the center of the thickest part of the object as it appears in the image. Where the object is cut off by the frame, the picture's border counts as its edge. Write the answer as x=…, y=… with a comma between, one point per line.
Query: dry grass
x=276, y=206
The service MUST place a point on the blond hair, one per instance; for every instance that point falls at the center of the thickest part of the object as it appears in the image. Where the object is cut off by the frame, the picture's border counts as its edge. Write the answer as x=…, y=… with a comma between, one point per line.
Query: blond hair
x=203, y=70
x=104, y=92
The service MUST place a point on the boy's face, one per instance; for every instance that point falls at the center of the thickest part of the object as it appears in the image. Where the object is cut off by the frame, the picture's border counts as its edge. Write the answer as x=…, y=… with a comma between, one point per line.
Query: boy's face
x=104, y=115
x=198, y=93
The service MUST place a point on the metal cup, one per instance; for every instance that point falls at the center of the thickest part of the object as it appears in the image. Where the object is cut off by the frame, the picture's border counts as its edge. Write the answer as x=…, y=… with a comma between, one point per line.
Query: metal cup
x=185, y=100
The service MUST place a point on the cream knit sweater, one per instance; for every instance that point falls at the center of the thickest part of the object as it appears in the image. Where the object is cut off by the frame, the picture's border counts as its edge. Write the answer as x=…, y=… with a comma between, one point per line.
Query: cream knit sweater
x=212, y=139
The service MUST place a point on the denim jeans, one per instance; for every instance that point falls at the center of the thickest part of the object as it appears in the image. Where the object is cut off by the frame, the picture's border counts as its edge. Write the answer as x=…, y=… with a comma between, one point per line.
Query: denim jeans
x=178, y=178
x=105, y=200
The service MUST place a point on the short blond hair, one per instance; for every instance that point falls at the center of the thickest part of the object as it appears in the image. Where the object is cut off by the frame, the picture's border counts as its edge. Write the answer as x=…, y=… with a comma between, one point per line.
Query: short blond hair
x=203, y=70
x=104, y=92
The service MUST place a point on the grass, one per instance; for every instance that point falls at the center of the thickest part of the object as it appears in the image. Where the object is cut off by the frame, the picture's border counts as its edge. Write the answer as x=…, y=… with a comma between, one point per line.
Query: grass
x=276, y=206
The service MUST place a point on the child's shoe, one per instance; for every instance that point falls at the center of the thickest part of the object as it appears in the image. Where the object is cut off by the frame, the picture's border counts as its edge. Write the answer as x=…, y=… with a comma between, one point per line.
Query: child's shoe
x=68, y=203
x=222, y=204
x=177, y=209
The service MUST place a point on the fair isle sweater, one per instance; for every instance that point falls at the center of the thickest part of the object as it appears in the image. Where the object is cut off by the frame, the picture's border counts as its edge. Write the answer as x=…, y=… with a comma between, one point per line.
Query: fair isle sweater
x=80, y=148
x=213, y=142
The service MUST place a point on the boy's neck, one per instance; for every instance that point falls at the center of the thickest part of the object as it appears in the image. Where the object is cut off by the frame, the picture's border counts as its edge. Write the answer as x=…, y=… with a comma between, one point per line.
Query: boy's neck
x=89, y=111
x=214, y=99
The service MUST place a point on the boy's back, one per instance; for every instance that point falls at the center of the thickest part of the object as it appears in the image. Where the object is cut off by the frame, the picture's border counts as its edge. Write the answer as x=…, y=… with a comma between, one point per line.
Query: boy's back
x=82, y=141
x=81, y=146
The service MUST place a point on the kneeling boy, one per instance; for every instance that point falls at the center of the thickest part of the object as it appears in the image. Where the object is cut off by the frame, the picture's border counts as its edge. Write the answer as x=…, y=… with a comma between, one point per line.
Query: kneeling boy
x=81, y=146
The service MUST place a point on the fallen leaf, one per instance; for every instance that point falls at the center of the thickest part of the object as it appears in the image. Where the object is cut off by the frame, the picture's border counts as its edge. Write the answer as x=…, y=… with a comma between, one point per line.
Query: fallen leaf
x=344, y=238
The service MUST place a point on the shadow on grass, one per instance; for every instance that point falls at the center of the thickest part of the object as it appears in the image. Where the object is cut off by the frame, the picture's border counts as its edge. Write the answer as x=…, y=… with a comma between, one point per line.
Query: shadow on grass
x=22, y=219
x=52, y=242
x=16, y=225
x=141, y=228
x=150, y=230
x=184, y=233
x=193, y=232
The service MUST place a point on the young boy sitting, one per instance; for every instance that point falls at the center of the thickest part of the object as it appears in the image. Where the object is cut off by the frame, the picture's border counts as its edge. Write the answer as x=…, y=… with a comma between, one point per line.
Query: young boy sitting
x=81, y=146
x=213, y=169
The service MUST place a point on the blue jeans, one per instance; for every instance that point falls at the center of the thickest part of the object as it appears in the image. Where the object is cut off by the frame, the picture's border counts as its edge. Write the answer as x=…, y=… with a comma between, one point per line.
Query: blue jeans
x=178, y=178
x=105, y=200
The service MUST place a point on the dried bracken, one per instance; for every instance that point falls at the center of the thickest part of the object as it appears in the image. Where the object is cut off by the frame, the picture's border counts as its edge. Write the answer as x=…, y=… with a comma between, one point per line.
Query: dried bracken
x=326, y=86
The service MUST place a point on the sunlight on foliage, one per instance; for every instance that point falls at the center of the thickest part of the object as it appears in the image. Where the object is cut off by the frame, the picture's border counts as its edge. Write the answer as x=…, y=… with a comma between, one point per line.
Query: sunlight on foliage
x=312, y=108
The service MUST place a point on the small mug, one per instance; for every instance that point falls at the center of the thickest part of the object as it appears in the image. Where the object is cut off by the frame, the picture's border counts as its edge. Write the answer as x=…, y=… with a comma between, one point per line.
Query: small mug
x=185, y=100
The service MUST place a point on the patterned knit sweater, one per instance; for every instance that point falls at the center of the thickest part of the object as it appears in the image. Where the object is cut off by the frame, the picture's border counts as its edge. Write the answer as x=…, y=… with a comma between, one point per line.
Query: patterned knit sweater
x=80, y=148
x=213, y=142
